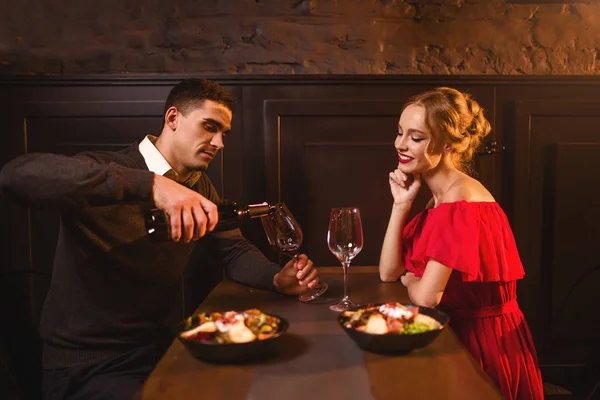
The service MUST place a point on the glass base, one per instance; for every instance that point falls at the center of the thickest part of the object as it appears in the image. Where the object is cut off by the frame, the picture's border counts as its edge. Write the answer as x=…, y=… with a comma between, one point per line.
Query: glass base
x=345, y=304
x=313, y=293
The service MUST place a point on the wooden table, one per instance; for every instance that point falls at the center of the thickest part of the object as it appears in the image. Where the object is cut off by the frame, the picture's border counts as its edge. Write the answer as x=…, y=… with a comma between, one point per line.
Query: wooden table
x=317, y=360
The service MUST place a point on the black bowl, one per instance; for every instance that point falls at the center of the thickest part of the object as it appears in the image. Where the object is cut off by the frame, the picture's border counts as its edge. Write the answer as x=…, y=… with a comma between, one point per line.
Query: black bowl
x=397, y=344
x=227, y=353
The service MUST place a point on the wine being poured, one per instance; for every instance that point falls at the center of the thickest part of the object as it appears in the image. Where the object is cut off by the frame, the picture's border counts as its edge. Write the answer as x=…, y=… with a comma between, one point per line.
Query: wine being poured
x=285, y=236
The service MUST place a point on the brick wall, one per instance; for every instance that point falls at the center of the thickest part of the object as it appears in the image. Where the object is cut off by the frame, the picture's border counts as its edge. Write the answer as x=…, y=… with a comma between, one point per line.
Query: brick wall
x=77, y=37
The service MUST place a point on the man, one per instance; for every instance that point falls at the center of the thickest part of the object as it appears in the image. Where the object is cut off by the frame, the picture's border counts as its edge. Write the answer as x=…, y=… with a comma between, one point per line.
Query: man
x=103, y=319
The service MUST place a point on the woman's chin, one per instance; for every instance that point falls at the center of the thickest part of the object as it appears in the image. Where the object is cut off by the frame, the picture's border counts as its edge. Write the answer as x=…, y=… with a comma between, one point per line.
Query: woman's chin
x=412, y=168
x=406, y=168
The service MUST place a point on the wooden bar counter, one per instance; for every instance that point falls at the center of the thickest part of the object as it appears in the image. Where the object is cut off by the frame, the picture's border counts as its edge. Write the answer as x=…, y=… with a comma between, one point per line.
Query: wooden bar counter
x=316, y=359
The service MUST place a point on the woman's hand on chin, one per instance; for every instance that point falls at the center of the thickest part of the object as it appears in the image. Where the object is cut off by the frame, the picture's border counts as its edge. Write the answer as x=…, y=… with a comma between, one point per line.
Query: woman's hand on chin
x=404, y=187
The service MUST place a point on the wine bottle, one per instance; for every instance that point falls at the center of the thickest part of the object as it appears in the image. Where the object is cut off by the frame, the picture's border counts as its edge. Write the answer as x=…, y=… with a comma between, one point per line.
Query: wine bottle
x=231, y=216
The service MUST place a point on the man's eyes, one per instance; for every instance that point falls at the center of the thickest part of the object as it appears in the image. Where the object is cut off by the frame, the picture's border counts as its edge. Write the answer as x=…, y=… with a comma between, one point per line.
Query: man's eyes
x=210, y=127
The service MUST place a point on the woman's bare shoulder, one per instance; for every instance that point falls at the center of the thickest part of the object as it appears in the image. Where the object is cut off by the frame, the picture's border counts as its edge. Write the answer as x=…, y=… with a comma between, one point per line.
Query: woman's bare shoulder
x=467, y=189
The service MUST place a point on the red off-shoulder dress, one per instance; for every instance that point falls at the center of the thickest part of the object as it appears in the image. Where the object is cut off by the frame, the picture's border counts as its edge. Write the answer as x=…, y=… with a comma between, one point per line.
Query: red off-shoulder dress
x=476, y=241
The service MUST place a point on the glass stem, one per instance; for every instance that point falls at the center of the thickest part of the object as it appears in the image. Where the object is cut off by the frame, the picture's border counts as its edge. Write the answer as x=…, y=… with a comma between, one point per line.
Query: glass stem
x=345, y=266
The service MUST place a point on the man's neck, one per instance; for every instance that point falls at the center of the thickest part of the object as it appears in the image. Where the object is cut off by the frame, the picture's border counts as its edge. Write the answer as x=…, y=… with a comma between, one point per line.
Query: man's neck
x=162, y=145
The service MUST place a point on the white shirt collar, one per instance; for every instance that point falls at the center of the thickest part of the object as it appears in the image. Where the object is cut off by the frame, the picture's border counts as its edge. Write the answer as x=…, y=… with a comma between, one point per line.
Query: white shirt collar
x=154, y=160
x=157, y=163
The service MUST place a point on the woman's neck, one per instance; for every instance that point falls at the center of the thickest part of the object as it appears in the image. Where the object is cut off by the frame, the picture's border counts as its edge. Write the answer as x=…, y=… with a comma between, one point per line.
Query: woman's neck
x=442, y=178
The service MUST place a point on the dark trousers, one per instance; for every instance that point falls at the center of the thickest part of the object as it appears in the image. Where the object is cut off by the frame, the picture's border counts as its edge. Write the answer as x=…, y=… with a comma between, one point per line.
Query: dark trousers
x=117, y=378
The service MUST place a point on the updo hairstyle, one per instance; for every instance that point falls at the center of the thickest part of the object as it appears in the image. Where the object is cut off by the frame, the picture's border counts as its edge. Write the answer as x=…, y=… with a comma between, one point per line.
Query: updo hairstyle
x=456, y=121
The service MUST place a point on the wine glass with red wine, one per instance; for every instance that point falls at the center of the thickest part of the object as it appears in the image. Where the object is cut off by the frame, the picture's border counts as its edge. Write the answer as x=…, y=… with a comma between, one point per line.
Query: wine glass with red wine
x=285, y=236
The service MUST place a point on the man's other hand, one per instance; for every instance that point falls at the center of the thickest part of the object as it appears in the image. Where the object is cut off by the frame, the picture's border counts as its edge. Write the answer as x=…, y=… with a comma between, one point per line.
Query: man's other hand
x=297, y=276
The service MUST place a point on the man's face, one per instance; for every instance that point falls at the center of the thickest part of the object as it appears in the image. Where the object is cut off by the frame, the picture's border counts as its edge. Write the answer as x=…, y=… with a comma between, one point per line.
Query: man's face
x=198, y=135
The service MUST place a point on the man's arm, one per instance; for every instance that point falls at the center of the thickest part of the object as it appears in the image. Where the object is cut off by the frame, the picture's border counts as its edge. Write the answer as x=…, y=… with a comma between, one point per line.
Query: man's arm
x=248, y=265
x=52, y=180
x=244, y=263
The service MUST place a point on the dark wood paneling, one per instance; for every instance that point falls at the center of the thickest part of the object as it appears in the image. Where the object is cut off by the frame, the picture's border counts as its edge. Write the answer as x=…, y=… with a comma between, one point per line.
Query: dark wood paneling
x=570, y=266
x=333, y=179
x=507, y=94
x=557, y=154
x=256, y=121
x=332, y=153
x=296, y=120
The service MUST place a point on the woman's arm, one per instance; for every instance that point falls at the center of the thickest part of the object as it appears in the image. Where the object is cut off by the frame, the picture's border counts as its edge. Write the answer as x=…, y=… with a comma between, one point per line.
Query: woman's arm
x=404, y=189
x=428, y=290
x=391, y=264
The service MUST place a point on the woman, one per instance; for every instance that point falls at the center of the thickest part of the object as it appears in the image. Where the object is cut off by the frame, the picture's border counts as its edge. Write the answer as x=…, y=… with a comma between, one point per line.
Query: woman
x=459, y=254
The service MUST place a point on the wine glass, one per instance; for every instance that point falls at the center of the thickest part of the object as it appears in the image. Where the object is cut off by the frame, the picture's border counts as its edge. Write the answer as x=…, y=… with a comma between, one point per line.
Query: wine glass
x=345, y=241
x=285, y=235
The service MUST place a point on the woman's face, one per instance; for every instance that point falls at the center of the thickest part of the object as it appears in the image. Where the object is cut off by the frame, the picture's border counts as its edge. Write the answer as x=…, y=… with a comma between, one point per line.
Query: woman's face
x=413, y=142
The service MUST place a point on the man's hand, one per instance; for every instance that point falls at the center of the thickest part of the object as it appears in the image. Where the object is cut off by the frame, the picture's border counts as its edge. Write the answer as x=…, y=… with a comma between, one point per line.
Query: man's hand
x=190, y=214
x=297, y=276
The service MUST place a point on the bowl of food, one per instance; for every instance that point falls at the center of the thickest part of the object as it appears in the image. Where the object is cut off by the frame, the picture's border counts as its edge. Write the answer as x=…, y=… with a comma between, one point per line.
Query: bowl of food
x=393, y=327
x=232, y=336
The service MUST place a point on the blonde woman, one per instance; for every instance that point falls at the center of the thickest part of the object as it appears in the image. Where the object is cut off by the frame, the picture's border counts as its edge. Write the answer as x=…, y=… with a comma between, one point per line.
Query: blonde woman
x=459, y=254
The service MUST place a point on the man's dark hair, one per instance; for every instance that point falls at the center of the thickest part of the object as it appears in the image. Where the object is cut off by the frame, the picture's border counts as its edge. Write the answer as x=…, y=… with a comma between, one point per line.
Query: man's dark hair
x=191, y=93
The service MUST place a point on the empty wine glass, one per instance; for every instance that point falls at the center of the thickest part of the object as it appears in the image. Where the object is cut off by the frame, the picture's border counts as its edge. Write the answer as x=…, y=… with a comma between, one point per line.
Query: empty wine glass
x=285, y=235
x=345, y=241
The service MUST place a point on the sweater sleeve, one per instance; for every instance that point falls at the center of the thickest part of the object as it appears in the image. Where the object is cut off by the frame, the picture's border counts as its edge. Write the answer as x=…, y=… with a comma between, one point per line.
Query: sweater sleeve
x=51, y=180
x=244, y=263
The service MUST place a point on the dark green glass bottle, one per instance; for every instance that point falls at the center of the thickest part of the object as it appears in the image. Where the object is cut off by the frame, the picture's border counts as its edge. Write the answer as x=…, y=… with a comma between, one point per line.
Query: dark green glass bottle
x=231, y=216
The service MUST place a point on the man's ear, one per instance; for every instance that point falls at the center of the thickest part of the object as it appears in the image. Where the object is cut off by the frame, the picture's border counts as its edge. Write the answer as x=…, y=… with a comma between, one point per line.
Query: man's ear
x=172, y=118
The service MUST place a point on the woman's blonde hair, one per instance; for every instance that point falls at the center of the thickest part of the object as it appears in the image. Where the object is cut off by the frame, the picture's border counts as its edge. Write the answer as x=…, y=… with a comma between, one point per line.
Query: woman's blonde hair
x=455, y=120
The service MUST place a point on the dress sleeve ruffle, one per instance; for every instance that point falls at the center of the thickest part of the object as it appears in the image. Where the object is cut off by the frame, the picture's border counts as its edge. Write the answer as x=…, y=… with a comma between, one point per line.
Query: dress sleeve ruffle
x=473, y=238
